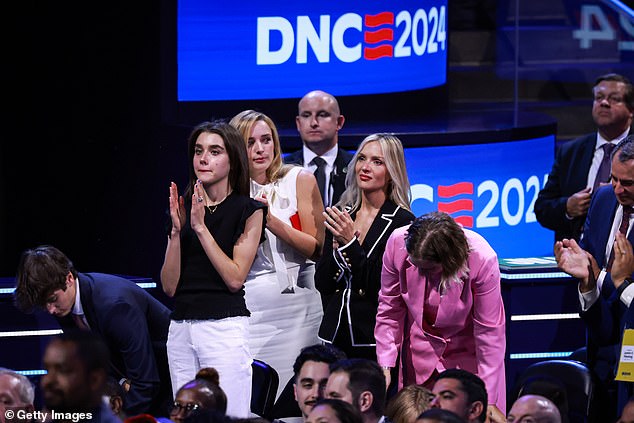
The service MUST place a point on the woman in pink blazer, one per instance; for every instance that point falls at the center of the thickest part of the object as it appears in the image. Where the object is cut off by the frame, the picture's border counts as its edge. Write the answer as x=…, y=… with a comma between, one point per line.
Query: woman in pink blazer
x=440, y=306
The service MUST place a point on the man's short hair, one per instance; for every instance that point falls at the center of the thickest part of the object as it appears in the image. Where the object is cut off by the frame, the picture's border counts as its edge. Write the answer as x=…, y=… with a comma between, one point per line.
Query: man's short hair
x=363, y=375
x=471, y=384
x=326, y=353
x=41, y=271
x=91, y=348
x=25, y=389
x=624, y=149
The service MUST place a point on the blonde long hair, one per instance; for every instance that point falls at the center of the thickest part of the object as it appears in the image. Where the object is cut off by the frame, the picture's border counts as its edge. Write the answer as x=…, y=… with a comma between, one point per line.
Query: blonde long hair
x=398, y=189
x=244, y=122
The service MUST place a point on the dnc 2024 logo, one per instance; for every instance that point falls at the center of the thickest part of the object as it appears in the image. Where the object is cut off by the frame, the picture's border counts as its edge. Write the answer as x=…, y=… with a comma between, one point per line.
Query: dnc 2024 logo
x=371, y=36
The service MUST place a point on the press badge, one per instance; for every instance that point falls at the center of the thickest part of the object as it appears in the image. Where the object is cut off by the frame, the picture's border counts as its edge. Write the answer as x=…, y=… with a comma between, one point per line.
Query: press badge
x=625, y=371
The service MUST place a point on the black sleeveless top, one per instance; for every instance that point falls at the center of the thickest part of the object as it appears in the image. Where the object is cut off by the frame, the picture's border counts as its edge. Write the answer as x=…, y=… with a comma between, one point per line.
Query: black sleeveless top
x=201, y=293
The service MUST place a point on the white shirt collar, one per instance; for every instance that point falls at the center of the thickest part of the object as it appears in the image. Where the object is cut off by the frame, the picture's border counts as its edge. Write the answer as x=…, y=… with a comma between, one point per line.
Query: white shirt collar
x=615, y=141
x=329, y=156
x=77, y=308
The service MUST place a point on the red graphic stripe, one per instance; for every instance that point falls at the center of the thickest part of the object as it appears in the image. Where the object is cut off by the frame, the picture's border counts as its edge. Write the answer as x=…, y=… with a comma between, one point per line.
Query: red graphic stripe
x=455, y=189
x=383, y=18
x=466, y=221
x=375, y=37
x=373, y=53
x=456, y=206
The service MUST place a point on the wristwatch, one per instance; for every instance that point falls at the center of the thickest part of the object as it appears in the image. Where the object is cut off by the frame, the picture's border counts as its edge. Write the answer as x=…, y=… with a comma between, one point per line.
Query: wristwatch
x=624, y=285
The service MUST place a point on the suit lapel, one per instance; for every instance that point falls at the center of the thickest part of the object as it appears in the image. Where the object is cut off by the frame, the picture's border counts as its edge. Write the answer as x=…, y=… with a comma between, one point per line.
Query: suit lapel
x=87, y=304
x=379, y=229
x=585, y=160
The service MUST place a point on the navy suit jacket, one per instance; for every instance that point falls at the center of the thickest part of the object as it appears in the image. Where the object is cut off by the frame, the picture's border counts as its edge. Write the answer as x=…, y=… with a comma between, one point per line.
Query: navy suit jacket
x=597, y=230
x=608, y=316
x=569, y=175
x=134, y=326
x=606, y=320
x=338, y=174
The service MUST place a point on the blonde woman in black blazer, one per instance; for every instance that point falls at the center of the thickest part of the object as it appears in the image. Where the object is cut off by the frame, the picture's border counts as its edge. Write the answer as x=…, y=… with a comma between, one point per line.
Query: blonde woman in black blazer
x=376, y=201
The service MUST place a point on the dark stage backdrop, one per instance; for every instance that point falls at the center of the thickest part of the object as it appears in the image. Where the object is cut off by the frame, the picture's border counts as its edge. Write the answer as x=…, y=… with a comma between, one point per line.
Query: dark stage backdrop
x=85, y=162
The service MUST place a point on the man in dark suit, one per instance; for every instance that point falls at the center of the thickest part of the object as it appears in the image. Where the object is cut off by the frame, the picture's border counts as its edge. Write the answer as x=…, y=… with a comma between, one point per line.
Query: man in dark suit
x=133, y=324
x=318, y=122
x=603, y=261
x=578, y=171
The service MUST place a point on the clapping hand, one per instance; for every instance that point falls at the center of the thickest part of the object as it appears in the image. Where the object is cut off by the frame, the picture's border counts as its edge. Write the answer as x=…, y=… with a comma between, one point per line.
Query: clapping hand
x=198, y=207
x=340, y=224
x=623, y=265
x=177, y=210
x=577, y=262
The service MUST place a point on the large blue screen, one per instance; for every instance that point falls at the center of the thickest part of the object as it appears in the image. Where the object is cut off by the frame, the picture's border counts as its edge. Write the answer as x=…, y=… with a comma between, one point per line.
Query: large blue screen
x=490, y=188
x=250, y=50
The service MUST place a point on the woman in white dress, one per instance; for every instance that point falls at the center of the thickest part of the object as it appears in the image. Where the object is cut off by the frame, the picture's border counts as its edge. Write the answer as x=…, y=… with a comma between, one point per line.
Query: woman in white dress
x=285, y=307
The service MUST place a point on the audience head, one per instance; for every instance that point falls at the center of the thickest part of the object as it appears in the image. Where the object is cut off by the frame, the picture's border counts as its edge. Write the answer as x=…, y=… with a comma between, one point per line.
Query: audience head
x=381, y=158
x=534, y=408
x=334, y=411
x=436, y=242
x=264, y=151
x=202, y=393
x=209, y=416
x=319, y=121
x=551, y=388
x=623, y=171
x=613, y=104
x=360, y=382
x=76, y=364
x=311, y=370
x=463, y=393
x=228, y=150
x=45, y=279
x=408, y=404
x=627, y=415
x=16, y=393
x=438, y=415
x=114, y=394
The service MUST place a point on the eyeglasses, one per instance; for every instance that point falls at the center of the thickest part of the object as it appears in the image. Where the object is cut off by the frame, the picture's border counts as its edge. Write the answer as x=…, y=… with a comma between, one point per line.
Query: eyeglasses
x=177, y=407
x=612, y=99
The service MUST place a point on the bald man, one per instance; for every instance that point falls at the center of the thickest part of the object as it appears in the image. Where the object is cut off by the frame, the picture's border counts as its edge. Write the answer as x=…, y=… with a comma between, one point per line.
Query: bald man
x=539, y=408
x=319, y=120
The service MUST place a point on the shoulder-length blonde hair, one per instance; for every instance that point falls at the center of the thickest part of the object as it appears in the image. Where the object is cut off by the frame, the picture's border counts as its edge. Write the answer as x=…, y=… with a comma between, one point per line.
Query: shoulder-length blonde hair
x=244, y=122
x=398, y=189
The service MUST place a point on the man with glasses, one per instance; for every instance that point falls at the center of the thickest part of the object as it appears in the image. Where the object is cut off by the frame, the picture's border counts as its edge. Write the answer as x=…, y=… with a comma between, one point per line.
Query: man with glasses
x=583, y=165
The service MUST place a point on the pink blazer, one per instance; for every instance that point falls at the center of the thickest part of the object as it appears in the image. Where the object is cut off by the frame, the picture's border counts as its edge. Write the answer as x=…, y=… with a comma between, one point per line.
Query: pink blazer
x=470, y=319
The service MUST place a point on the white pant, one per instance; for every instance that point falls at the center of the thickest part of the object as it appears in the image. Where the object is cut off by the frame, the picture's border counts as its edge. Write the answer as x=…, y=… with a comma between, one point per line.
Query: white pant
x=221, y=344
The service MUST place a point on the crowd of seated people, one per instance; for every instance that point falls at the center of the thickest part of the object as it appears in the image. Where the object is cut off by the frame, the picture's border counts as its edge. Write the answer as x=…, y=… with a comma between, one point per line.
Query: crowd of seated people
x=318, y=268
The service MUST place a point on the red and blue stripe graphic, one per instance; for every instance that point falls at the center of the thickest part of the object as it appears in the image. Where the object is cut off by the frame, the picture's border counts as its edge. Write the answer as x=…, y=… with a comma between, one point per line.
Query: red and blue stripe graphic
x=448, y=192
x=378, y=41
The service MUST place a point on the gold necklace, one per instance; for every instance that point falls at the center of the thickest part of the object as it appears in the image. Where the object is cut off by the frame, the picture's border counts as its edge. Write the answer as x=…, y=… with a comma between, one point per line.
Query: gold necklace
x=215, y=206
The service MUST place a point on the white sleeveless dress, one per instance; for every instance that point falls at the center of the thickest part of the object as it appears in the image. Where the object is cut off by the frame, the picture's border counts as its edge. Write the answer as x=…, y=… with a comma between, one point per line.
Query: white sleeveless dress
x=280, y=291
